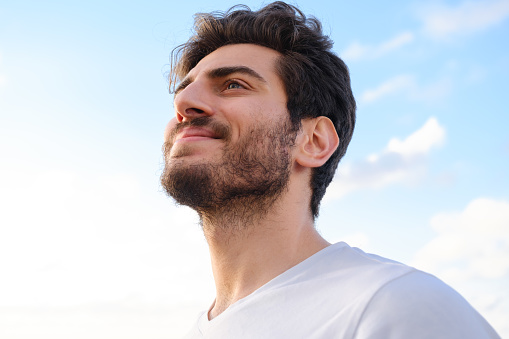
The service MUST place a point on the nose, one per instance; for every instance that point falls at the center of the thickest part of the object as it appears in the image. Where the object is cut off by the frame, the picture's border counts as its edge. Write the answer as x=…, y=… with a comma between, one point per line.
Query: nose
x=192, y=102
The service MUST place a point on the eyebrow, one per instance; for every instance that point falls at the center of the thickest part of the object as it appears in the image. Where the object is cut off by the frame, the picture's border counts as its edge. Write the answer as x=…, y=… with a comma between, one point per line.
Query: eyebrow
x=222, y=72
x=225, y=71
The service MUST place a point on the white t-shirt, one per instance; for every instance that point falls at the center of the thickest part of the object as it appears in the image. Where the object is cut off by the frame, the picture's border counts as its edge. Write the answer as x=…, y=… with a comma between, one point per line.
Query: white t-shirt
x=342, y=292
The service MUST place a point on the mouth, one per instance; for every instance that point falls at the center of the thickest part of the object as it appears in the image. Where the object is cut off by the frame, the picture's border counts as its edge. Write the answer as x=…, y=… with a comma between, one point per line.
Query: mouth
x=195, y=134
x=202, y=128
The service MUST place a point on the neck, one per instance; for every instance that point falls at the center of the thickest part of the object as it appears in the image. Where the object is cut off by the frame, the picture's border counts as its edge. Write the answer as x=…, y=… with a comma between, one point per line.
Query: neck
x=249, y=250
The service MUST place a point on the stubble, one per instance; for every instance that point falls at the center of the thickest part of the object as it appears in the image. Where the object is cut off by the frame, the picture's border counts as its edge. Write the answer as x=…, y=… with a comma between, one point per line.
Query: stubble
x=243, y=184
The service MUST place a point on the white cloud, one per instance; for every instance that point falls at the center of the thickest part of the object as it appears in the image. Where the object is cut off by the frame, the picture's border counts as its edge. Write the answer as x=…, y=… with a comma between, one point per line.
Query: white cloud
x=393, y=85
x=401, y=160
x=471, y=253
x=125, y=319
x=80, y=248
x=421, y=141
x=406, y=84
x=358, y=51
x=444, y=21
x=395, y=43
x=97, y=233
x=478, y=237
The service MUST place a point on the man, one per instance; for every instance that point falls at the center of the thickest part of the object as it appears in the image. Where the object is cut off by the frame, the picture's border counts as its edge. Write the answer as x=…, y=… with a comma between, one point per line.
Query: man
x=264, y=111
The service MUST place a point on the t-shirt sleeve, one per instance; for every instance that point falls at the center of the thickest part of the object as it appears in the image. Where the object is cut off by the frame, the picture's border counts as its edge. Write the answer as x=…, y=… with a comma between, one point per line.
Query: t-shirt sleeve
x=418, y=305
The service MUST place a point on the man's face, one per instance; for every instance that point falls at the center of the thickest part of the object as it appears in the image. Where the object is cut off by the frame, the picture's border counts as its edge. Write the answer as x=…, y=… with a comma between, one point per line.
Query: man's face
x=231, y=138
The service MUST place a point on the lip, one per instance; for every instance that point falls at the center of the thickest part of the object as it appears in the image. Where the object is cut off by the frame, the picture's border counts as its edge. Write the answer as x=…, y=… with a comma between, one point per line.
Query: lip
x=194, y=134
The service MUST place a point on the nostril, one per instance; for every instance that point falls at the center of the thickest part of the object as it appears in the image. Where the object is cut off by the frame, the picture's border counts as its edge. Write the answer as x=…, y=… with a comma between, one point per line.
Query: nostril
x=194, y=110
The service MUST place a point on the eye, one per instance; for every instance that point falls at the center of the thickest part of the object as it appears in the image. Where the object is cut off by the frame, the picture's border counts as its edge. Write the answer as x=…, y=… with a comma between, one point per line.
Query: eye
x=234, y=85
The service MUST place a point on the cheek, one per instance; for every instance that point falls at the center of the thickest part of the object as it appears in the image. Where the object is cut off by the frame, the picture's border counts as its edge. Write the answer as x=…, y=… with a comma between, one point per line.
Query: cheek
x=169, y=127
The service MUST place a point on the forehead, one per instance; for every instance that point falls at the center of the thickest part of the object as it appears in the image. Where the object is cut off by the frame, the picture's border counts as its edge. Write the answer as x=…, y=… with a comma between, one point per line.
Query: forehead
x=258, y=58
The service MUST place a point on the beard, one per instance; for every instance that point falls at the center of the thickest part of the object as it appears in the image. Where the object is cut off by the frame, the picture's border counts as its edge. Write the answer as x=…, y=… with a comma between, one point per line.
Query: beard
x=248, y=178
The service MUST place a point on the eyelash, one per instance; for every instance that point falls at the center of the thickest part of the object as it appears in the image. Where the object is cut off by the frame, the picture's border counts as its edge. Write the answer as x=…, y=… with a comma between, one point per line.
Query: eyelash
x=233, y=82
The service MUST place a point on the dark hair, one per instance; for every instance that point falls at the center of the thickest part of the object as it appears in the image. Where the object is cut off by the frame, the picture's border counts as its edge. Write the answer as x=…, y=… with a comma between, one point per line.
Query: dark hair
x=316, y=80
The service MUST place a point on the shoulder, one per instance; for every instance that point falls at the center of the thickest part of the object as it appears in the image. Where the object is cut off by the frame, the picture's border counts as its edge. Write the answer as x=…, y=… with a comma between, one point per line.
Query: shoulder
x=419, y=305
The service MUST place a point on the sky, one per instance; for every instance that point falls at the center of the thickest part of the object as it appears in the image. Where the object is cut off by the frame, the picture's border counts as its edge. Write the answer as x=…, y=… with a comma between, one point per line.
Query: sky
x=90, y=246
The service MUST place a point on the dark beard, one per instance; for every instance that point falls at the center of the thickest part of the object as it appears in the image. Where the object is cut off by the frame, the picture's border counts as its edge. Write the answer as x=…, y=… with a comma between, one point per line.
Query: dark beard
x=249, y=178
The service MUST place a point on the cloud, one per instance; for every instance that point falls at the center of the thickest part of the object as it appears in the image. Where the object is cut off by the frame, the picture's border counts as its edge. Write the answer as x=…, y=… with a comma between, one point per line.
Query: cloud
x=419, y=142
x=78, y=248
x=391, y=86
x=441, y=21
x=357, y=51
x=401, y=160
x=100, y=234
x=407, y=84
x=124, y=319
x=476, y=238
x=470, y=251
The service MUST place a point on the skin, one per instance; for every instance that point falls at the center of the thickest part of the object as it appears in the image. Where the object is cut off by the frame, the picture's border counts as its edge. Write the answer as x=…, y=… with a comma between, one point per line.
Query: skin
x=237, y=85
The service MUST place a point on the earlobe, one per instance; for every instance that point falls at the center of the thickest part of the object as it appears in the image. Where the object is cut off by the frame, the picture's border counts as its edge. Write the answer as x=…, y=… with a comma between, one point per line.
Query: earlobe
x=317, y=142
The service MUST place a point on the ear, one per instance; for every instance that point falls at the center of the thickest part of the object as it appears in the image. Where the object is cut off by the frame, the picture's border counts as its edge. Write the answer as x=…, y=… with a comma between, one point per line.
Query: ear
x=316, y=142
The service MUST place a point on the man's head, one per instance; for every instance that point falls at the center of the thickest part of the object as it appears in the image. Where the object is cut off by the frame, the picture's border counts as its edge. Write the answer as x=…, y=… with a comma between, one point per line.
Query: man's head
x=315, y=80
x=228, y=150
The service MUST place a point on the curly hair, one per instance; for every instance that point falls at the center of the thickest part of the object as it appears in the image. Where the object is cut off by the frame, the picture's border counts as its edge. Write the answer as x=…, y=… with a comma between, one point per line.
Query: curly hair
x=316, y=80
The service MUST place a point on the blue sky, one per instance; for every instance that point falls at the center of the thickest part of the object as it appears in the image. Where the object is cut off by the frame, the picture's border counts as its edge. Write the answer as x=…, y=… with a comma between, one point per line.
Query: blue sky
x=90, y=245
